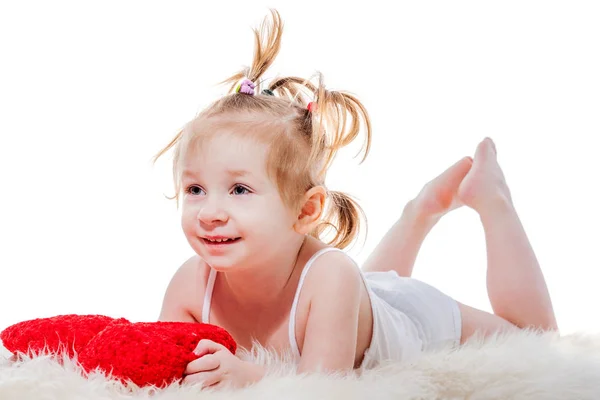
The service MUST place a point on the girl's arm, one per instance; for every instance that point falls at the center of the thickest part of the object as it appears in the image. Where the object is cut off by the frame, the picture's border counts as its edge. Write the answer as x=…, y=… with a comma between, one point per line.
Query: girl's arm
x=330, y=338
x=178, y=298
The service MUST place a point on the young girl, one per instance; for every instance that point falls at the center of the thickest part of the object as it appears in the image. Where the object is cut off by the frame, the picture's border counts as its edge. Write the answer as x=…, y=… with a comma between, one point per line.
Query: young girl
x=250, y=172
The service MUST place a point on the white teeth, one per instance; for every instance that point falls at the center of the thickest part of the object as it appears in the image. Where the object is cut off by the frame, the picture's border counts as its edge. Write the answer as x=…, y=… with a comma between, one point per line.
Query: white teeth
x=219, y=240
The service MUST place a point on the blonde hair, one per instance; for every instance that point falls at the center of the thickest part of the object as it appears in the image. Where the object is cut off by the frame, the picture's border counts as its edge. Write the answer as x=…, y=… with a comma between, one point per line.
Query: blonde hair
x=302, y=143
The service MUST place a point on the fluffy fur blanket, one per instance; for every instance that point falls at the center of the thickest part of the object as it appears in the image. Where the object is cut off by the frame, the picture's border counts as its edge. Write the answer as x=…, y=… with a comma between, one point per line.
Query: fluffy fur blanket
x=521, y=365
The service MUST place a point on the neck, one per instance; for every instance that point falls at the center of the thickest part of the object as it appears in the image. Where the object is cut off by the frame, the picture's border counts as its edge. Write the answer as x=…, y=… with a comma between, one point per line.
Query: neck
x=263, y=286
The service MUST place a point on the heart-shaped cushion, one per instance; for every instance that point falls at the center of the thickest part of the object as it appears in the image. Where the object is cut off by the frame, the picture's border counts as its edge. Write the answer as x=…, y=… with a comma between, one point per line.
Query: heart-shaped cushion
x=149, y=353
x=55, y=335
x=146, y=353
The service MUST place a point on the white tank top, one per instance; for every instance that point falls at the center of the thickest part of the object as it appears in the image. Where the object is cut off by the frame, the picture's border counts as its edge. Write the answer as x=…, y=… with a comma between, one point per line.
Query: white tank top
x=395, y=336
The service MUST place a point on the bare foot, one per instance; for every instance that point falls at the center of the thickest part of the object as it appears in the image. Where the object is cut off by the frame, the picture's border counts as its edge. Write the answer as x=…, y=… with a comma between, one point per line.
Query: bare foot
x=439, y=196
x=484, y=186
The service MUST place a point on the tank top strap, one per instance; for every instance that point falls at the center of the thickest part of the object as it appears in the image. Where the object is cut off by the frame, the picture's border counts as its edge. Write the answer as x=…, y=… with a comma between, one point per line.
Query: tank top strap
x=292, y=324
x=210, y=284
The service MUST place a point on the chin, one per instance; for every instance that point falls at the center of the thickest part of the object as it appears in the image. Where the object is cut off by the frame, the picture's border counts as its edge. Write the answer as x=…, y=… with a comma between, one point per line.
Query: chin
x=222, y=264
x=219, y=266
x=223, y=260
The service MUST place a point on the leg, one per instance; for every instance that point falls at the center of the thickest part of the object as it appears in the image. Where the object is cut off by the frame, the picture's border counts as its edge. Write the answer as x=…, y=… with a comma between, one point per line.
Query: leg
x=482, y=323
x=399, y=247
x=515, y=283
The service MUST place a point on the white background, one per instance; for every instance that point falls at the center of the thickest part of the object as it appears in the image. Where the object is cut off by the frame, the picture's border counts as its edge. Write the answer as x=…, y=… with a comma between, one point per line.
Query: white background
x=90, y=91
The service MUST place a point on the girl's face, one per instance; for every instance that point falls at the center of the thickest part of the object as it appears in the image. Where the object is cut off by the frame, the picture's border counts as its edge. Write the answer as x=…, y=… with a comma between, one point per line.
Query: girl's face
x=232, y=213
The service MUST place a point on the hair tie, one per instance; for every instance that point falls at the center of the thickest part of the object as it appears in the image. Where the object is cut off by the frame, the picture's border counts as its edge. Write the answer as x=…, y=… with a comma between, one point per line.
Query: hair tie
x=268, y=92
x=312, y=106
x=246, y=87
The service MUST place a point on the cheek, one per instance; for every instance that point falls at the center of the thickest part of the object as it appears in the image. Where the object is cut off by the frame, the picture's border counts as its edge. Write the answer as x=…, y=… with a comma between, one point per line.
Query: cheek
x=275, y=220
x=188, y=220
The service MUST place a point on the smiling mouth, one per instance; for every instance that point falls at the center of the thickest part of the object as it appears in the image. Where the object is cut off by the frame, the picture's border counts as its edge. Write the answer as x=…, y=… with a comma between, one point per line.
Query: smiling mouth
x=220, y=241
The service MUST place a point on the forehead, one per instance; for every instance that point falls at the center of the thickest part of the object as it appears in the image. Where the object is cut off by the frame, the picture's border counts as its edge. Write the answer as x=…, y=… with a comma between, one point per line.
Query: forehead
x=226, y=151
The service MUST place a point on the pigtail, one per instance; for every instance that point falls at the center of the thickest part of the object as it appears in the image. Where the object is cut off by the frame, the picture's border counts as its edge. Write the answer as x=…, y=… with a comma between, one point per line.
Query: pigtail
x=337, y=121
x=298, y=90
x=344, y=216
x=267, y=42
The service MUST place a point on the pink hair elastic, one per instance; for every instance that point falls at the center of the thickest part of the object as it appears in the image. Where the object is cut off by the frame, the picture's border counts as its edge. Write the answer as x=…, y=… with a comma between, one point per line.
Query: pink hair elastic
x=246, y=87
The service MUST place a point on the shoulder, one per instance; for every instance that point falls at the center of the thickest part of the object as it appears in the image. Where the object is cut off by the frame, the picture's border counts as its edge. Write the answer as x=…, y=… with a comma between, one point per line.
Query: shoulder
x=185, y=291
x=333, y=272
x=331, y=311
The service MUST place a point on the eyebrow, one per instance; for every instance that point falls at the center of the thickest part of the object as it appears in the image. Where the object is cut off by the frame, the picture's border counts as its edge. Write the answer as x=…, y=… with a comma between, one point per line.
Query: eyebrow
x=235, y=173
x=187, y=173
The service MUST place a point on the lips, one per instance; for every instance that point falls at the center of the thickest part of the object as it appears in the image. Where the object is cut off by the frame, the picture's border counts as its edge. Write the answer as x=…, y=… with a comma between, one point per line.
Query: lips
x=220, y=240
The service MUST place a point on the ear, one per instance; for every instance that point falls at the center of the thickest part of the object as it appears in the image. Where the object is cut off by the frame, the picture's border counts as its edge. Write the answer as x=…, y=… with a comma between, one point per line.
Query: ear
x=311, y=209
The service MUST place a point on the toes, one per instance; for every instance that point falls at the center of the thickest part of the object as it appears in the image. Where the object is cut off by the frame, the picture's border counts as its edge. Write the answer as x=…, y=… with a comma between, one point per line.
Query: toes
x=455, y=174
x=463, y=166
x=492, y=144
x=486, y=148
x=459, y=171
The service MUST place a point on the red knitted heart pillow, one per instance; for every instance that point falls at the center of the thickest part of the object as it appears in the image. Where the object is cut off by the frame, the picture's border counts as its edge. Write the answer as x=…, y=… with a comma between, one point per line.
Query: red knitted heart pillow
x=147, y=353
x=55, y=335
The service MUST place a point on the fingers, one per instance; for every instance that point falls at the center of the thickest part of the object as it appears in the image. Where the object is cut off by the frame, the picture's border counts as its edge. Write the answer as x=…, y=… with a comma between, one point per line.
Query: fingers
x=205, y=363
x=206, y=346
x=208, y=378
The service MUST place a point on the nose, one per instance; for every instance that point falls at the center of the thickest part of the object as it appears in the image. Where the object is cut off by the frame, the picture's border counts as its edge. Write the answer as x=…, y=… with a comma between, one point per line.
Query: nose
x=212, y=212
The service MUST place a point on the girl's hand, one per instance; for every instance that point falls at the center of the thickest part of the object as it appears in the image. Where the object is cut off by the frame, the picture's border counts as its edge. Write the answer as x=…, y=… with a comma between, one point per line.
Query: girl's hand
x=216, y=366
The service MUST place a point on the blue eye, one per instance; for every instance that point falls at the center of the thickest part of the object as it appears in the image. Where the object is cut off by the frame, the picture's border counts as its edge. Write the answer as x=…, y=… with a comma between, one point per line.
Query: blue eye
x=194, y=190
x=239, y=190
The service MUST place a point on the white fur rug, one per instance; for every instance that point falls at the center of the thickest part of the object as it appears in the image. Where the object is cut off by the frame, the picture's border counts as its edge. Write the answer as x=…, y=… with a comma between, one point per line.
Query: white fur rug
x=517, y=366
